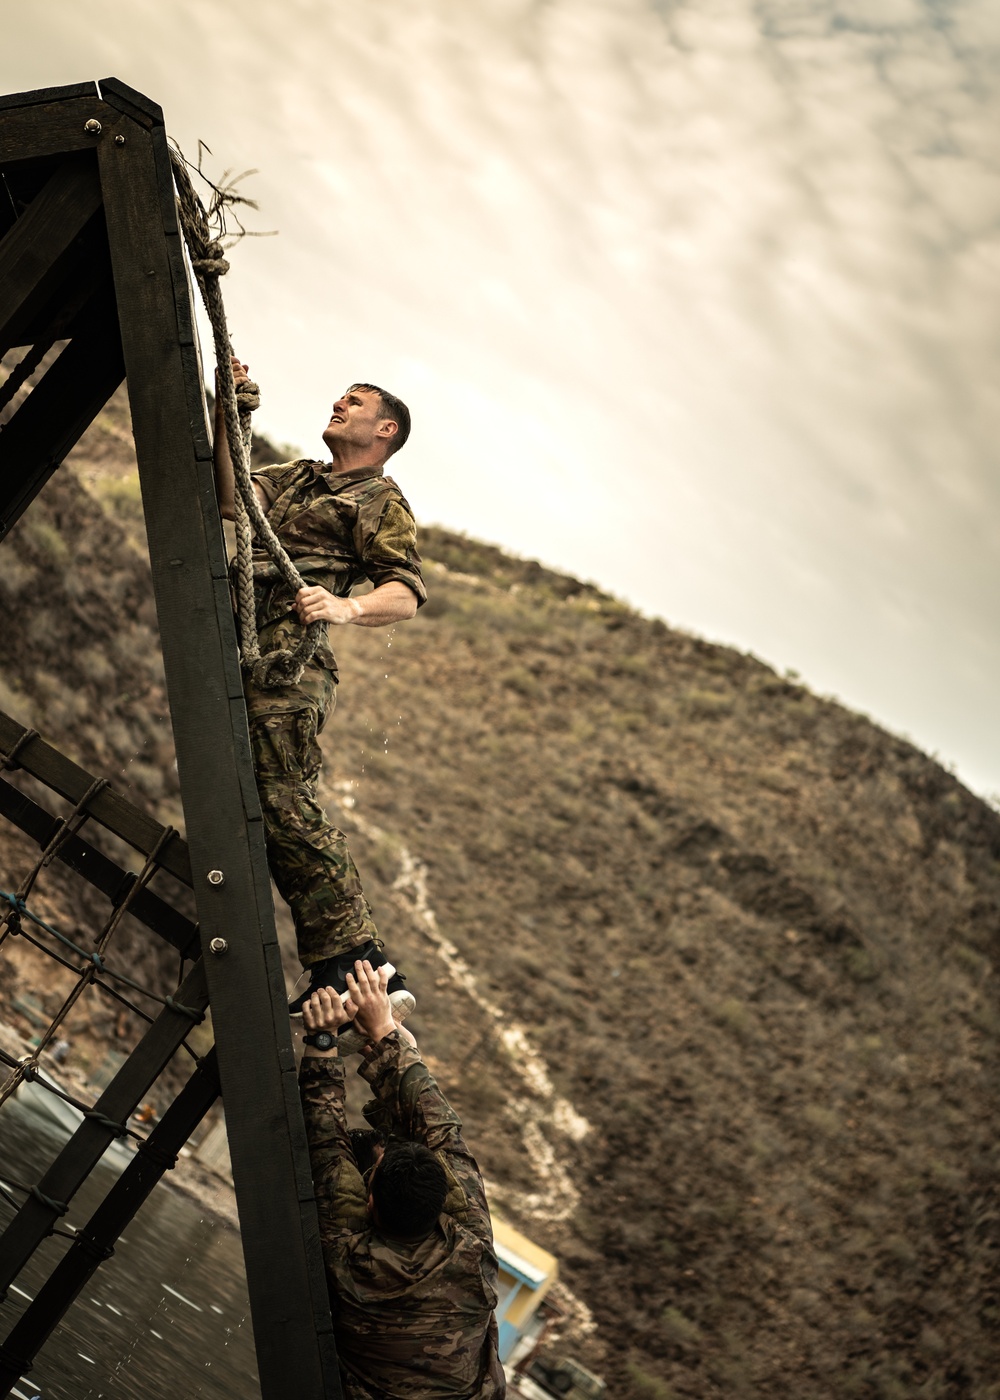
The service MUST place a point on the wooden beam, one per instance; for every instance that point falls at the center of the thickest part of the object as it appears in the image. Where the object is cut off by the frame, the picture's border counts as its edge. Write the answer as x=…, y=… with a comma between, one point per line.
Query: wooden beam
x=100, y=871
x=286, y=1282
x=60, y=408
x=96, y=1241
x=80, y=271
x=142, y=832
x=46, y=96
x=50, y=128
x=31, y=250
x=78, y=1157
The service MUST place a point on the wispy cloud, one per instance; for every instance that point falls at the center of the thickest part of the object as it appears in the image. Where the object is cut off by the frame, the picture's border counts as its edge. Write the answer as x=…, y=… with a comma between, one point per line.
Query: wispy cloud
x=696, y=299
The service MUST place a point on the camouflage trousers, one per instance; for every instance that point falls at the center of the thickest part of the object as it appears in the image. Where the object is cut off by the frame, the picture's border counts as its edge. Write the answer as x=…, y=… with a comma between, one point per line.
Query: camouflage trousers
x=310, y=863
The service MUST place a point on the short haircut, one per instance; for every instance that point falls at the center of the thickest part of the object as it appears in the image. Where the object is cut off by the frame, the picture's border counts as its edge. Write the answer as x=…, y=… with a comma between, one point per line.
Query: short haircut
x=394, y=409
x=363, y=1144
x=408, y=1189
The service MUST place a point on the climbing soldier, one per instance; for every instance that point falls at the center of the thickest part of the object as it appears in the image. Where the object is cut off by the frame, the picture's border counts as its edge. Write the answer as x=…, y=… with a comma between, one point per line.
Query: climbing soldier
x=340, y=522
x=408, y=1247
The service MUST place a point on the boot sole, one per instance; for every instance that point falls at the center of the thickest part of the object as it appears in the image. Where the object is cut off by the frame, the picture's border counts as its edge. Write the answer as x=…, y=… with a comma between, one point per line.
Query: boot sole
x=296, y=1015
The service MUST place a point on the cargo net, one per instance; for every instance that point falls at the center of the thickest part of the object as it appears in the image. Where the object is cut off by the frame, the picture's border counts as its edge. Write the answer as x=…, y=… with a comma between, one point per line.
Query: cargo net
x=92, y=969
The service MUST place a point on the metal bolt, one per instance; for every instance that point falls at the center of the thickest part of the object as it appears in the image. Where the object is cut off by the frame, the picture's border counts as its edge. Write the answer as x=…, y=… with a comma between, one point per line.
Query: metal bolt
x=119, y=140
x=93, y=127
x=215, y=877
x=218, y=946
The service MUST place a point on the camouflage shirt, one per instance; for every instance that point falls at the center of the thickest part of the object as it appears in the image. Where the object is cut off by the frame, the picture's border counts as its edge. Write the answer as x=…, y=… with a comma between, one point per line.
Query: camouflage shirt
x=412, y=1320
x=338, y=529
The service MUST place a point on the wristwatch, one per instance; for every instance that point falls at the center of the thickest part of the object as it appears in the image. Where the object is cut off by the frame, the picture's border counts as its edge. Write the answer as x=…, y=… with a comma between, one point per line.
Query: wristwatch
x=320, y=1040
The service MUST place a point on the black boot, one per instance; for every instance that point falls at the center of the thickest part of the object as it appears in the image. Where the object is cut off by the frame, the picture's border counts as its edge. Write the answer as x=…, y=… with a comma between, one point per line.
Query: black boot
x=332, y=973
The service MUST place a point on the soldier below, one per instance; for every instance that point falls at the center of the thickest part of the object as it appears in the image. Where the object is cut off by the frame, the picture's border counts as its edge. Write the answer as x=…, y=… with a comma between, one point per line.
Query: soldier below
x=341, y=522
x=409, y=1248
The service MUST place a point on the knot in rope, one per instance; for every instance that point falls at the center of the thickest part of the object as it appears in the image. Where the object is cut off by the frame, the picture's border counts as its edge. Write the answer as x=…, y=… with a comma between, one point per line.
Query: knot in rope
x=191, y=1012
x=248, y=397
x=103, y=1121
x=57, y=1207
x=275, y=669
x=211, y=261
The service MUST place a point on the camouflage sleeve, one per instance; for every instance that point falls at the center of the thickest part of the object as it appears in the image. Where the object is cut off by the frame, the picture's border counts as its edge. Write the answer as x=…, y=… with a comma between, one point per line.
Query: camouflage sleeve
x=341, y=1196
x=385, y=537
x=419, y=1111
x=273, y=480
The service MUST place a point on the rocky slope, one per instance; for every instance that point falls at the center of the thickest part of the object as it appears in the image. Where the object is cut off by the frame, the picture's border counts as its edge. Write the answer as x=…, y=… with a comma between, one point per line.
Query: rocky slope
x=705, y=960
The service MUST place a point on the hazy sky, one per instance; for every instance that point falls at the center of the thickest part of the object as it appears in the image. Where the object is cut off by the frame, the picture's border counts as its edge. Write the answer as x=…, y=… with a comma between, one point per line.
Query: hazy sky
x=695, y=300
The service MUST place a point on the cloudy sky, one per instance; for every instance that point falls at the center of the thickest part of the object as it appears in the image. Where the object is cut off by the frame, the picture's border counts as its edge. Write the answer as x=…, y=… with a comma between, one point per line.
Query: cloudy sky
x=695, y=300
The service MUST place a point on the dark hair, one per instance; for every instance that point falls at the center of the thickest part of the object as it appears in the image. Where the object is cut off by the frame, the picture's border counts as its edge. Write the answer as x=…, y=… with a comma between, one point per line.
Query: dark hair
x=394, y=409
x=363, y=1143
x=408, y=1188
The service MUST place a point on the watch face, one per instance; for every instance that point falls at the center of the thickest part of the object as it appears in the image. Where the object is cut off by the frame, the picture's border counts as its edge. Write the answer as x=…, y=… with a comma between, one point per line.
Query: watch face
x=323, y=1040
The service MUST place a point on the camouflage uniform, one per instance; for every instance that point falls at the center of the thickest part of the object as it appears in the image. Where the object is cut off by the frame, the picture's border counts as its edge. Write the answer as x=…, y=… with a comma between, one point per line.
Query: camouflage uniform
x=411, y=1321
x=339, y=529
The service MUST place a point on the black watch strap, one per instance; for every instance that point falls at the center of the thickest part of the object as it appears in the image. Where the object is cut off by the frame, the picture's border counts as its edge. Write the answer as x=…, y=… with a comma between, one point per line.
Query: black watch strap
x=320, y=1040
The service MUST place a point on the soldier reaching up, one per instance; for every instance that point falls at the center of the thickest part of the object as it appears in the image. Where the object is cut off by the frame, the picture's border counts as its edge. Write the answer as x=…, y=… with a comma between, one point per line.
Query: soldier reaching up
x=409, y=1251
x=340, y=521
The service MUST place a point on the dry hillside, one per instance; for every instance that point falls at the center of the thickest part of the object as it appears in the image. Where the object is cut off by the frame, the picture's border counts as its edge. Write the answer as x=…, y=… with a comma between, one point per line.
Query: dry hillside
x=723, y=1025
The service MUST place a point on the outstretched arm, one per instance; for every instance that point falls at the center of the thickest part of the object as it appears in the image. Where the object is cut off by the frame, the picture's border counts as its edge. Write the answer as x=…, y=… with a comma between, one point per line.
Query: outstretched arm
x=418, y=1108
x=390, y=602
x=225, y=479
x=340, y=1192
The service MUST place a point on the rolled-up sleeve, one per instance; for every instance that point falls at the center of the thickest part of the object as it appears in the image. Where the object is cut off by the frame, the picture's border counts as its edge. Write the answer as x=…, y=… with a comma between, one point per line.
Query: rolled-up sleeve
x=386, y=543
x=273, y=480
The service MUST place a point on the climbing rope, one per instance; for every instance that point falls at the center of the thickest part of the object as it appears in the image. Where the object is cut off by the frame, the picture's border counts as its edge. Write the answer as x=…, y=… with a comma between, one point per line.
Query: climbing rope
x=276, y=668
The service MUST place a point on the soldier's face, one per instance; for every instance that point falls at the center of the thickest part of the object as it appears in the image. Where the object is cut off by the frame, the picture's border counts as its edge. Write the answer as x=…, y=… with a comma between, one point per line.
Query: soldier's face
x=355, y=420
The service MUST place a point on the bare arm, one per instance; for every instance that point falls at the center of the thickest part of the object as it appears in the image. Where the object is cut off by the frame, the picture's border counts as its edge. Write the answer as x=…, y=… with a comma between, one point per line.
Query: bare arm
x=225, y=480
x=390, y=602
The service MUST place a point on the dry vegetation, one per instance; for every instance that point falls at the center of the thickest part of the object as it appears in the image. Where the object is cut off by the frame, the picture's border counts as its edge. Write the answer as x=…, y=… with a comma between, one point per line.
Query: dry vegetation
x=751, y=935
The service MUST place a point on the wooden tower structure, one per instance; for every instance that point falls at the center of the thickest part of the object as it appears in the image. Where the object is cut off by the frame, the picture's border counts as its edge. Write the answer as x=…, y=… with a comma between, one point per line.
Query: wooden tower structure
x=91, y=257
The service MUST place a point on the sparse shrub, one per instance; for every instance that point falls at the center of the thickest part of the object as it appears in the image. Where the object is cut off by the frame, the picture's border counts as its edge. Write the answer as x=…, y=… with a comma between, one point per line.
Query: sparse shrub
x=707, y=704
x=823, y=1119
x=986, y=1019
x=122, y=496
x=45, y=538
x=523, y=682
x=94, y=664
x=680, y=1330
x=12, y=702
x=860, y=965
x=647, y=1385
x=732, y=1014
x=17, y=573
x=969, y=959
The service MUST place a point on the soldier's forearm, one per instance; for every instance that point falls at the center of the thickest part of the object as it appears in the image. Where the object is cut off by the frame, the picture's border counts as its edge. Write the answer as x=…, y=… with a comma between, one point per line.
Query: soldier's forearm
x=390, y=602
x=225, y=480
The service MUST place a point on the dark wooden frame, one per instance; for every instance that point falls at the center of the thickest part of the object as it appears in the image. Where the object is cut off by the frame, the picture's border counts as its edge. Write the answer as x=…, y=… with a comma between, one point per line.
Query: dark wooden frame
x=114, y=195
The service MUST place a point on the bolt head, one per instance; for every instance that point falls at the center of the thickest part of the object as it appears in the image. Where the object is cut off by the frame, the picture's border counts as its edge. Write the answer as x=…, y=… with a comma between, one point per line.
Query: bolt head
x=215, y=877
x=218, y=946
x=92, y=127
x=119, y=140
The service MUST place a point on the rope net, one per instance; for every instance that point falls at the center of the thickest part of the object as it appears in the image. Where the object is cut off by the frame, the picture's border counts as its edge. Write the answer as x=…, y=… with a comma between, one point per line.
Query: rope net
x=92, y=969
x=85, y=967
